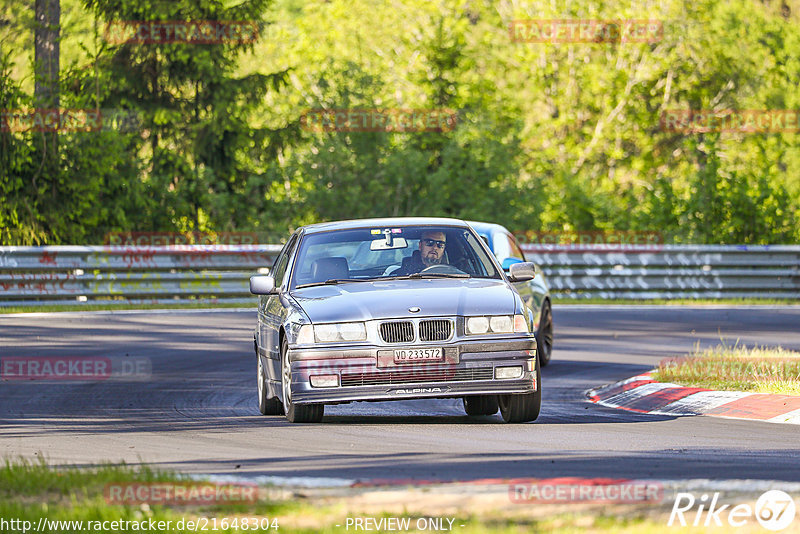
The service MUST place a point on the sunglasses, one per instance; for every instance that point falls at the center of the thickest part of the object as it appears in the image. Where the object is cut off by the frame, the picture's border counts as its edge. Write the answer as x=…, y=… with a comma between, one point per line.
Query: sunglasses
x=432, y=242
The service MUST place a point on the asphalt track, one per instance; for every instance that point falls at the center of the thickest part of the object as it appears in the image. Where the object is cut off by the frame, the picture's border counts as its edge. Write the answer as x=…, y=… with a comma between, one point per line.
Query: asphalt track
x=198, y=412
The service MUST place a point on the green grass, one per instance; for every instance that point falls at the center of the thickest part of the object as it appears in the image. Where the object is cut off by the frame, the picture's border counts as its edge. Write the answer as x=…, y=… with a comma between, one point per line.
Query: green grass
x=738, y=368
x=23, y=478
x=33, y=490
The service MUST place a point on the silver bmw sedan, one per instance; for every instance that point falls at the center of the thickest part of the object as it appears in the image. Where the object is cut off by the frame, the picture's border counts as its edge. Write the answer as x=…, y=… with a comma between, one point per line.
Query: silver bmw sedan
x=389, y=309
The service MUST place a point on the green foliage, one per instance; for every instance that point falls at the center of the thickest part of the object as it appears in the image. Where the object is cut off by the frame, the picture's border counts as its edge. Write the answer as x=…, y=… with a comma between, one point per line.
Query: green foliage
x=19, y=223
x=549, y=136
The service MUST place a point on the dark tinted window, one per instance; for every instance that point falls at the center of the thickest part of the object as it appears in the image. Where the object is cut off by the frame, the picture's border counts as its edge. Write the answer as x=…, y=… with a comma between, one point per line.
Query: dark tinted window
x=376, y=253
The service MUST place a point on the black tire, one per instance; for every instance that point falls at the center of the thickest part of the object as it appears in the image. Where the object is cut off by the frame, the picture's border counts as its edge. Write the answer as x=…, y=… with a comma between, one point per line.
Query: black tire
x=522, y=408
x=544, y=336
x=304, y=413
x=480, y=405
x=266, y=406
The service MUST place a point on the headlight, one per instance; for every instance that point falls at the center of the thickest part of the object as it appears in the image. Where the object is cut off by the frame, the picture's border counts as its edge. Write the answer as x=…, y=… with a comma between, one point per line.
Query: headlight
x=326, y=332
x=477, y=325
x=329, y=333
x=496, y=324
x=500, y=323
x=353, y=331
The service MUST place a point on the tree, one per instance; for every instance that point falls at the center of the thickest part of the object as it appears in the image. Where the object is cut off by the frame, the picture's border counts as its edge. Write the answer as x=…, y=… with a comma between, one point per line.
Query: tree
x=46, y=92
x=199, y=146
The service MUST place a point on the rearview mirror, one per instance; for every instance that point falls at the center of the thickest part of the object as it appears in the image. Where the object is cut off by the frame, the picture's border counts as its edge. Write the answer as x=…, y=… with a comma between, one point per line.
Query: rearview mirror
x=522, y=272
x=382, y=244
x=262, y=285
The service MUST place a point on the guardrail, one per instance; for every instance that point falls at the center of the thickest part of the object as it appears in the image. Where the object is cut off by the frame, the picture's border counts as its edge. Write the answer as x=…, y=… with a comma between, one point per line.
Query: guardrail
x=669, y=271
x=219, y=273
x=150, y=274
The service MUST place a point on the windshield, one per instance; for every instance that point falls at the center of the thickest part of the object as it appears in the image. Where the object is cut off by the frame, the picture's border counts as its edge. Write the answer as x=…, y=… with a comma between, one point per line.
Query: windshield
x=385, y=253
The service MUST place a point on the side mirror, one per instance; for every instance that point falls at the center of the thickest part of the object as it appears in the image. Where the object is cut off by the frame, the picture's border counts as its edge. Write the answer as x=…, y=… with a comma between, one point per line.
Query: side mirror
x=262, y=285
x=508, y=262
x=522, y=272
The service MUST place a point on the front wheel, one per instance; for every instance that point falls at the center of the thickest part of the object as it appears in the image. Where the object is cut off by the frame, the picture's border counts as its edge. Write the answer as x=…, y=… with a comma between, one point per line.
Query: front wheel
x=303, y=413
x=522, y=408
x=266, y=405
x=480, y=405
x=544, y=336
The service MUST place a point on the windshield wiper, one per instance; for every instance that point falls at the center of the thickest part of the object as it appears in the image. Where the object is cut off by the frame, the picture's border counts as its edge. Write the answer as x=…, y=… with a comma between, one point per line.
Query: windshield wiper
x=438, y=275
x=427, y=275
x=334, y=281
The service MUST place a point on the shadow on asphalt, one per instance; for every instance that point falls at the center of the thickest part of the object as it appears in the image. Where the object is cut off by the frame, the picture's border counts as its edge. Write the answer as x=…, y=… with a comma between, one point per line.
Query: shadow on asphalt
x=217, y=401
x=664, y=464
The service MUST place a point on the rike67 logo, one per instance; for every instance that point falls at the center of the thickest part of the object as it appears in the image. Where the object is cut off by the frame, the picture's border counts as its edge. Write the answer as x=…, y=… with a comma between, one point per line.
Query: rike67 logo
x=774, y=510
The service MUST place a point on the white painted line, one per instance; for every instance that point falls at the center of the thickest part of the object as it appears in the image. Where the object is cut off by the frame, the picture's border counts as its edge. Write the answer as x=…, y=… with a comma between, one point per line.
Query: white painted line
x=696, y=484
x=293, y=482
x=633, y=394
x=701, y=402
x=602, y=389
x=792, y=418
x=733, y=485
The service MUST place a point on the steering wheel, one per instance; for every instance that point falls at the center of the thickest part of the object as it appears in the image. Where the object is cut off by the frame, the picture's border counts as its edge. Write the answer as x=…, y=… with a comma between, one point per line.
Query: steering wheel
x=442, y=268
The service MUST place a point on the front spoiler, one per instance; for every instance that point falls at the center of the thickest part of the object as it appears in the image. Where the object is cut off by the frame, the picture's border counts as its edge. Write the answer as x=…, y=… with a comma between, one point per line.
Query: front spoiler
x=413, y=391
x=469, y=367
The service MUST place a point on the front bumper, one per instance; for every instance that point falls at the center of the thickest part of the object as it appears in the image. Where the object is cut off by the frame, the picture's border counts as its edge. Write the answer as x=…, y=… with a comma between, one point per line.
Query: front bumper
x=370, y=373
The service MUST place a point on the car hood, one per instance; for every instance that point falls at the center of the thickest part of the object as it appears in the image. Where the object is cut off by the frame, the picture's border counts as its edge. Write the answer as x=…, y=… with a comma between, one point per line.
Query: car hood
x=363, y=301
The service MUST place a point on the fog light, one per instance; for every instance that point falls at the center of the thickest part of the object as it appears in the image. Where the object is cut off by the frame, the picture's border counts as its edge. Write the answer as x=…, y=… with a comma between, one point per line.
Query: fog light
x=508, y=372
x=324, y=381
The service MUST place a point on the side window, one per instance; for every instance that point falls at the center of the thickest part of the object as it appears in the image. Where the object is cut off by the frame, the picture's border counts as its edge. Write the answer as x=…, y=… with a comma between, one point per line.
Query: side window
x=279, y=269
x=516, y=252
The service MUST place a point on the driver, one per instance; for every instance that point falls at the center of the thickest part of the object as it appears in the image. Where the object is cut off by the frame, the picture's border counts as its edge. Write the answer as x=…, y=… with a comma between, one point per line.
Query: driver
x=431, y=252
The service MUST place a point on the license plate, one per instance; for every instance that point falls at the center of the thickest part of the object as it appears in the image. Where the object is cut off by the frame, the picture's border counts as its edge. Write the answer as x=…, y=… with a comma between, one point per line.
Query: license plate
x=418, y=355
